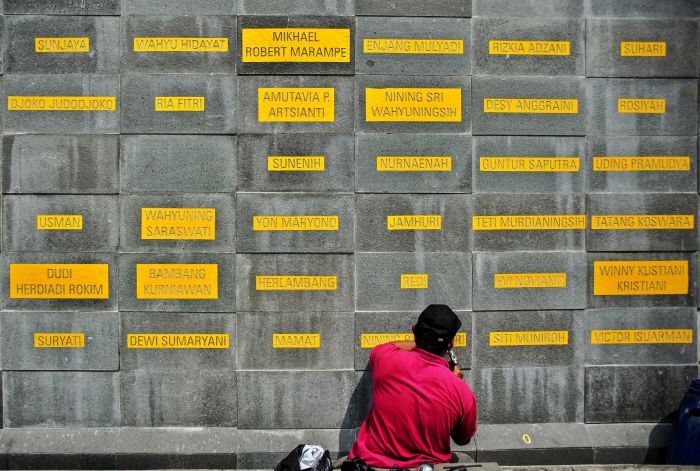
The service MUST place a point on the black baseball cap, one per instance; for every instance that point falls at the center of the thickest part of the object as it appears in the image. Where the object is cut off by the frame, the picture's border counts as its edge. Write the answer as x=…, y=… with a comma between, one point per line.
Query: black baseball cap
x=438, y=324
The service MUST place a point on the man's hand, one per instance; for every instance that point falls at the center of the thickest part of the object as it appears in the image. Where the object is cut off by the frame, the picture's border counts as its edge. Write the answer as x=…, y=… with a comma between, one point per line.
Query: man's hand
x=458, y=373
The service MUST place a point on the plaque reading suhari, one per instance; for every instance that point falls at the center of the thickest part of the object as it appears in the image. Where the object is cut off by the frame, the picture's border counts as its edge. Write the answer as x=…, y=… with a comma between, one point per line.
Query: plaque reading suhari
x=287, y=340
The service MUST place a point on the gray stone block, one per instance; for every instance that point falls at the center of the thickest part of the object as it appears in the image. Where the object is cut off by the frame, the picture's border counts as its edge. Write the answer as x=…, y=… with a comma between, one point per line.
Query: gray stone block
x=413, y=163
x=90, y=286
x=641, y=164
x=48, y=441
x=211, y=97
x=532, y=8
x=305, y=104
x=295, y=162
x=641, y=48
x=211, y=290
x=641, y=336
x=60, y=164
x=274, y=45
x=529, y=164
x=85, y=223
x=297, y=7
x=374, y=328
x=411, y=281
x=182, y=7
x=635, y=393
x=665, y=279
x=46, y=341
x=295, y=340
x=60, y=399
x=536, y=280
x=672, y=226
x=449, y=8
x=287, y=223
x=528, y=46
x=209, y=45
x=133, y=357
x=643, y=8
x=177, y=399
x=551, y=222
x=177, y=441
x=529, y=106
x=395, y=104
x=678, y=119
x=529, y=395
x=304, y=399
x=32, y=45
x=72, y=103
x=174, y=164
x=630, y=443
x=403, y=223
x=292, y=282
x=61, y=7
x=178, y=222
x=416, y=46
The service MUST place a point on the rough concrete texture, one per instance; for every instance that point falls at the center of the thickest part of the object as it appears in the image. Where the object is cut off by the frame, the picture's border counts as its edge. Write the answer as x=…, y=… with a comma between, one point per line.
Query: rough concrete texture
x=606, y=175
x=679, y=118
x=647, y=346
x=214, y=230
x=23, y=56
x=449, y=8
x=529, y=8
x=378, y=171
x=262, y=218
x=635, y=393
x=181, y=7
x=550, y=173
x=375, y=56
x=296, y=7
x=216, y=116
x=341, y=63
x=557, y=30
x=295, y=340
x=629, y=443
x=538, y=280
x=61, y=7
x=174, y=164
x=30, y=223
x=643, y=8
x=60, y=164
x=100, y=341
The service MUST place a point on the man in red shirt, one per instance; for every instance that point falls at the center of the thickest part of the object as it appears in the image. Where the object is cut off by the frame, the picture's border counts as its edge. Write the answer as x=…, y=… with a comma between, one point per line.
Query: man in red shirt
x=418, y=403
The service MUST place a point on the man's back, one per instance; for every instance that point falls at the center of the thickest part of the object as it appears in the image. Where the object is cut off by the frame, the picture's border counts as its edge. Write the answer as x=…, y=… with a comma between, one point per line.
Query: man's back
x=417, y=403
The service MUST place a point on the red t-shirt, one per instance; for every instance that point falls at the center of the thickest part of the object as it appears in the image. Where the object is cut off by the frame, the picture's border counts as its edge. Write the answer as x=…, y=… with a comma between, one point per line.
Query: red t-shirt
x=417, y=402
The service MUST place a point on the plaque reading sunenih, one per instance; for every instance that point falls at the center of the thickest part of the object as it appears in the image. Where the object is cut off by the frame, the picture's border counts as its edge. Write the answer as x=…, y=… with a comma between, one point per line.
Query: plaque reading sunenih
x=59, y=281
x=289, y=340
x=177, y=281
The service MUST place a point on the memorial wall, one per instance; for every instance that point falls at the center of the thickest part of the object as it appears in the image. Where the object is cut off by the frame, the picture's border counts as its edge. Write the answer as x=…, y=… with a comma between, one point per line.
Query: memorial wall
x=212, y=210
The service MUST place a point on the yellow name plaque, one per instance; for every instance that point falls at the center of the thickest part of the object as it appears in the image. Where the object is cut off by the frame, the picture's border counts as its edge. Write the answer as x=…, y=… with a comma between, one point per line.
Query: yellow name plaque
x=642, y=164
x=177, y=281
x=184, y=341
x=641, y=105
x=180, y=44
x=59, y=340
x=296, y=283
x=61, y=103
x=414, y=281
x=529, y=48
x=296, y=163
x=529, y=164
x=644, y=222
x=296, y=340
x=59, y=281
x=414, y=222
x=60, y=45
x=532, y=338
x=640, y=278
x=295, y=223
x=413, y=105
x=415, y=163
x=178, y=223
x=296, y=105
x=371, y=340
x=295, y=45
x=531, y=105
x=552, y=222
x=529, y=280
x=634, y=337
x=59, y=222
x=193, y=104
x=643, y=49
x=413, y=46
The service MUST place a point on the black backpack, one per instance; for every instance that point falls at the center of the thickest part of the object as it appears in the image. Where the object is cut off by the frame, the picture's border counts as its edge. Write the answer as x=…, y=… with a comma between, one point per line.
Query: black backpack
x=291, y=462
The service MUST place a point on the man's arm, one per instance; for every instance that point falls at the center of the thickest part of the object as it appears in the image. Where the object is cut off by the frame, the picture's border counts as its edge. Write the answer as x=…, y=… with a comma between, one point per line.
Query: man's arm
x=466, y=426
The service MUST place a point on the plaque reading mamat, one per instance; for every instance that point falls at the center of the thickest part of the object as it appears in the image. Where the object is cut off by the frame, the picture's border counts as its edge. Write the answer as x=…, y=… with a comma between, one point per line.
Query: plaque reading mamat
x=59, y=281
x=284, y=340
x=295, y=44
x=177, y=281
x=184, y=341
x=640, y=278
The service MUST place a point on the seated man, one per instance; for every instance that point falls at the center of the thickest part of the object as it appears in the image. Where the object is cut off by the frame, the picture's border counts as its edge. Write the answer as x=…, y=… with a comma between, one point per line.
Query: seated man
x=418, y=403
